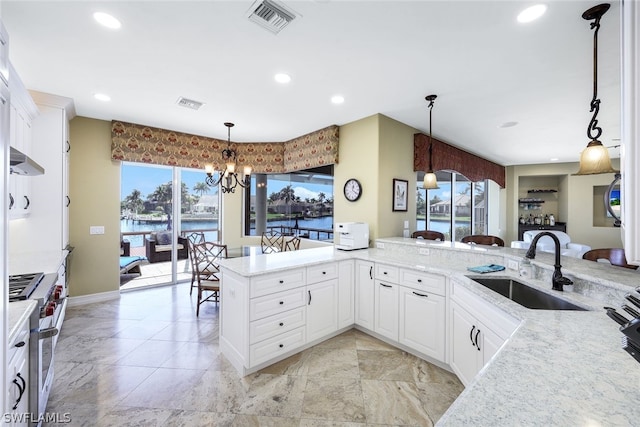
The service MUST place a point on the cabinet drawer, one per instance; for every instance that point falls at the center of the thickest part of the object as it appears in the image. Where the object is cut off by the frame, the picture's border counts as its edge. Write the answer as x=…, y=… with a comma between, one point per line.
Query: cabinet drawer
x=269, y=305
x=273, y=347
x=388, y=273
x=21, y=337
x=276, y=324
x=276, y=282
x=423, y=281
x=320, y=273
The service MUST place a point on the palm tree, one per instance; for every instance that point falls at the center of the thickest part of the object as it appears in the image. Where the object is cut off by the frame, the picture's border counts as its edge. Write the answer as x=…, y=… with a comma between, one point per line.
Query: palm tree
x=134, y=202
x=201, y=188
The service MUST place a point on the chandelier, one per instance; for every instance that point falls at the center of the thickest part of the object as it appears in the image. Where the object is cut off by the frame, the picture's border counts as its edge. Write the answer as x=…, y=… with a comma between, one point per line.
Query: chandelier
x=595, y=158
x=430, y=181
x=228, y=178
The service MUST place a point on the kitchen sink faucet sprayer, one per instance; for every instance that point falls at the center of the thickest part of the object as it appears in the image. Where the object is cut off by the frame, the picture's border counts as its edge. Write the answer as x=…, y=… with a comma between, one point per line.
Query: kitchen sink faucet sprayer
x=557, y=280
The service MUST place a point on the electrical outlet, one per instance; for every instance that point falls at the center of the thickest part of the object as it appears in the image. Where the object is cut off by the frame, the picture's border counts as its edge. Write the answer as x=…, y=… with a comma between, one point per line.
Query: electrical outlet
x=379, y=245
x=405, y=233
x=406, y=224
x=512, y=264
x=96, y=229
x=424, y=251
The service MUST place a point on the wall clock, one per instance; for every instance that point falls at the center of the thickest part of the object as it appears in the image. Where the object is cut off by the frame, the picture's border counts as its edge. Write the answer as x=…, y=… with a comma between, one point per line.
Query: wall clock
x=352, y=189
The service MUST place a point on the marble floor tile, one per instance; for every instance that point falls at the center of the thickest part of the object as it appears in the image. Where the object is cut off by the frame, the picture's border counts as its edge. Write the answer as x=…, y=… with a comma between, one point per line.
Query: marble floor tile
x=146, y=360
x=338, y=399
x=394, y=403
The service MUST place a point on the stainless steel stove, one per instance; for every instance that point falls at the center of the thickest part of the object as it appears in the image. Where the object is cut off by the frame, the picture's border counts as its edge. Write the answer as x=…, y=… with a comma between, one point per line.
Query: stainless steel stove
x=21, y=286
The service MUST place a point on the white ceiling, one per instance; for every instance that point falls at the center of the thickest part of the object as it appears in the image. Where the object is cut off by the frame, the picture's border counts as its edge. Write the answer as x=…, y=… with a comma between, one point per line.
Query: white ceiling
x=382, y=56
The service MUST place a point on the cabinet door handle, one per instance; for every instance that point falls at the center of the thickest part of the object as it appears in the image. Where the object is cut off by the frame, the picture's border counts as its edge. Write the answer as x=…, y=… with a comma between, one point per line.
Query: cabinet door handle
x=27, y=202
x=281, y=324
x=11, y=200
x=471, y=335
x=281, y=302
x=420, y=295
x=20, y=344
x=309, y=298
x=386, y=286
x=419, y=280
x=371, y=272
x=281, y=281
x=68, y=146
x=21, y=388
x=281, y=345
x=476, y=340
x=68, y=201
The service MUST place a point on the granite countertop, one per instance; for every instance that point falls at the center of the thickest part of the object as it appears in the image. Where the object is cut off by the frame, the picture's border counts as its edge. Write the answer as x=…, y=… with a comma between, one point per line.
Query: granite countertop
x=558, y=368
x=18, y=312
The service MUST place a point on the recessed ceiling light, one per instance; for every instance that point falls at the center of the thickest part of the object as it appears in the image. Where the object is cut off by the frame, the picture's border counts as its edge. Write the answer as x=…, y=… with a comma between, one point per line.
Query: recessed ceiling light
x=107, y=20
x=508, y=125
x=532, y=13
x=554, y=159
x=102, y=97
x=282, y=78
x=337, y=99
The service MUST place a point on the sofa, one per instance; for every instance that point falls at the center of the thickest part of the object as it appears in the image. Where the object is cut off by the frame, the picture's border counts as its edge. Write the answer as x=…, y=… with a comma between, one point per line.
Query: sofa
x=158, y=247
x=545, y=244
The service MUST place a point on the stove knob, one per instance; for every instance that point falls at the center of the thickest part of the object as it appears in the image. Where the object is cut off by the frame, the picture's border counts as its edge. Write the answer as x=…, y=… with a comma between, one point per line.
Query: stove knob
x=51, y=309
x=57, y=292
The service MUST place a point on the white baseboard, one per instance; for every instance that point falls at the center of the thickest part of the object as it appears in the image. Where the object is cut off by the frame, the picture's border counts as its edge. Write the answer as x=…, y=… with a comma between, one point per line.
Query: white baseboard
x=90, y=299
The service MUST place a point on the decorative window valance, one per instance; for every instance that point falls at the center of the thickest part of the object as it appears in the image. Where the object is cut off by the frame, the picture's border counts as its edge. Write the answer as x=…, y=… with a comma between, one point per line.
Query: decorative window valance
x=144, y=144
x=448, y=157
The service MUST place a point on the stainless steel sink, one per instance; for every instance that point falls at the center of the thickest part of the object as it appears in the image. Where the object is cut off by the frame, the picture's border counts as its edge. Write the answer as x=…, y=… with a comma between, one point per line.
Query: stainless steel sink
x=525, y=295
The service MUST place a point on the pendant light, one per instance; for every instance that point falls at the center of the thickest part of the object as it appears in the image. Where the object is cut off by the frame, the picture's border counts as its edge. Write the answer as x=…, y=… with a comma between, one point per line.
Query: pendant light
x=595, y=158
x=228, y=178
x=430, y=181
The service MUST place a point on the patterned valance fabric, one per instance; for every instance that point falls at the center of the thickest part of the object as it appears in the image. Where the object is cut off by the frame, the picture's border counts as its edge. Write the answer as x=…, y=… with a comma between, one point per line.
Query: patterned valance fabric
x=144, y=144
x=448, y=157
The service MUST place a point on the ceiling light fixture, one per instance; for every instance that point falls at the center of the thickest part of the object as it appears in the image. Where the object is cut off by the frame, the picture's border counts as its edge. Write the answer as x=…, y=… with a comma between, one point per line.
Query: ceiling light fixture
x=430, y=180
x=102, y=97
x=282, y=78
x=107, y=20
x=531, y=13
x=229, y=173
x=595, y=158
x=337, y=99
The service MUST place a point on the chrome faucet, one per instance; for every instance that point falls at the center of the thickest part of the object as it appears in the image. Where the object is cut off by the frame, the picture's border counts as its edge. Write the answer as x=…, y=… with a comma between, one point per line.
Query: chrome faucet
x=557, y=280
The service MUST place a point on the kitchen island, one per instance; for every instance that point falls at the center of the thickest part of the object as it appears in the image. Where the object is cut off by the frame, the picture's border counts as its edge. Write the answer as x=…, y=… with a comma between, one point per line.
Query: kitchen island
x=557, y=368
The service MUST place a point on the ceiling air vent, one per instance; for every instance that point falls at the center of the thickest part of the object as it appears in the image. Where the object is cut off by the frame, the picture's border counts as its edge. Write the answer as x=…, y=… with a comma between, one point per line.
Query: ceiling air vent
x=271, y=15
x=189, y=103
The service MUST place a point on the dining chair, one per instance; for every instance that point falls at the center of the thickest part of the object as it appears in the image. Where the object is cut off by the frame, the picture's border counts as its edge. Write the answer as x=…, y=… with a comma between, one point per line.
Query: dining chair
x=207, y=258
x=292, y=244
x=428, y=235
x=193, y=239
x=614, y=255
x=272, y=242
x=482, y=239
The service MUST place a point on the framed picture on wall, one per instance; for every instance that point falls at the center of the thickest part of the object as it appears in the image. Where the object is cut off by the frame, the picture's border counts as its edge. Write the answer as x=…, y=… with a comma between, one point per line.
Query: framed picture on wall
x=400, y=195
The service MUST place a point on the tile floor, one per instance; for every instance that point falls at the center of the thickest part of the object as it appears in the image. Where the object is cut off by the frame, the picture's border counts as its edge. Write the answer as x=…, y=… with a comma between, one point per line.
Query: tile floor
x=146, y=360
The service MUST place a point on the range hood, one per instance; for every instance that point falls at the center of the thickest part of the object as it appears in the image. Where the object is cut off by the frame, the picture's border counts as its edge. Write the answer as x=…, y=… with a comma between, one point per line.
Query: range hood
x=21, y=164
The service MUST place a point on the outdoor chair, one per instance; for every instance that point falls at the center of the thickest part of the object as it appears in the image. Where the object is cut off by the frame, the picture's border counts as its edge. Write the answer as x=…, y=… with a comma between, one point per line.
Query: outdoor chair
x=293, y=244
x=207, y=256
x=271, y=242
x=158, y=247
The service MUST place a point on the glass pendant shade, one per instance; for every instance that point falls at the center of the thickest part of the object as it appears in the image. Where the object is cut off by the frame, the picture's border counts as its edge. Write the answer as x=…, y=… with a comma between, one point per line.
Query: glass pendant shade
x=430, y=182
x=595, y=160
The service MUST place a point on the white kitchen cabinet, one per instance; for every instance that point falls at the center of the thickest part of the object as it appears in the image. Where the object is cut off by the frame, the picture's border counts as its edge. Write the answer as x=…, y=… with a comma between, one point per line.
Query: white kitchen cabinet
x=478, y=330
x=365, y=295
x=386, y=309
x=18, y=378
x=346, y=294
x=322, y=309
x=49, y=219
x=422, y=322
x=22, y=113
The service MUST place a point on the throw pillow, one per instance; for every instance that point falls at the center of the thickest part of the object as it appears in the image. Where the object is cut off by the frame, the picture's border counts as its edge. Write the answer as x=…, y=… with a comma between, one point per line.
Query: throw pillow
x=163, y=238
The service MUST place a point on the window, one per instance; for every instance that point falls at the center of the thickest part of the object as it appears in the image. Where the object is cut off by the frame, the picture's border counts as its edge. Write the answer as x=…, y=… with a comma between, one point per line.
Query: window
x=299, y=203
x=456, y=209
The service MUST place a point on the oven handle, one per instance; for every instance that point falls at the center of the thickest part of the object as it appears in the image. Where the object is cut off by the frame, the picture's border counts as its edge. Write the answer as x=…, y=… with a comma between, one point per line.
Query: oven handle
x=47, y=333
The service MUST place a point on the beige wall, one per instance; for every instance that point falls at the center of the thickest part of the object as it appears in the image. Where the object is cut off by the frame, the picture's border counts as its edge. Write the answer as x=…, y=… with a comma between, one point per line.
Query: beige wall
x=574, y=202
x=94, y=187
